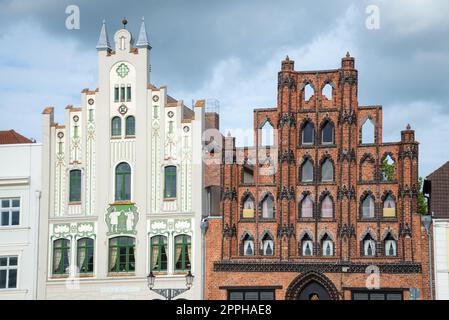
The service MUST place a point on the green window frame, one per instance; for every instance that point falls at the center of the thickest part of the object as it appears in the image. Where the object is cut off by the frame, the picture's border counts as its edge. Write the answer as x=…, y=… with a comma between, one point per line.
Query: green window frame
x=122, y=93
x=116, y=94
x=123, y=182
x=158, y=247
x=61, y=256
x=183, y=252
x=116, y=127
x=170, y=182
x=128, y=93
x=75, y=186
x=85, y=255
x=130, y=126
x=121, y=255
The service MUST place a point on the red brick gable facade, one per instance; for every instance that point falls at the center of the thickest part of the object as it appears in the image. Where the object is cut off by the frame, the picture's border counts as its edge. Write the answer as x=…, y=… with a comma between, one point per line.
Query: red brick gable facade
x=332, y=194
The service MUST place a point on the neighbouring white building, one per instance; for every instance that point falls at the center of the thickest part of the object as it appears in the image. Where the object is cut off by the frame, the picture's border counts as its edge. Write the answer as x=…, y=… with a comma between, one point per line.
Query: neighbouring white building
x=123, y=190
x=436, y=186
x=20, y=191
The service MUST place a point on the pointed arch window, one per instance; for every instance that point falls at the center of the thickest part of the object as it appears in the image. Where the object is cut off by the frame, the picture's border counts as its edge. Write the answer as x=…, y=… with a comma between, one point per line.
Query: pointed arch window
x=390, y=246
x=368, y=207
x=248, y=245
x=327, y=246
x=116, y=127
x=327, y=171
x=307, y=207
x=368, y=131
x=327, y=207
x=75, y=186
x=267, y=134
x=306, y=245
x=159, y=259
x=308, y=133
x=327, y=133
x=308, y=92
x=327, y=92
x=248, y=208
x=369, y=246
x=388, y=169
x=267, y=245
x=123, y=182
x=170, y=182
x=307, y=171
x=130, y=126
x=268, y=207
x=389, y=210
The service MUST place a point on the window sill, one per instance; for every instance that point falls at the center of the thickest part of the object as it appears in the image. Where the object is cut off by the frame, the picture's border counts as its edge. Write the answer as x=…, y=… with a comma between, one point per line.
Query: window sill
x=58, y=277
x=121, y=274
x=247, y=220
x=116, y=137
x=267, y=220
x=169, y=199
x=130, y=137
x=75, y=203
x=118, y=203
x=86, y=275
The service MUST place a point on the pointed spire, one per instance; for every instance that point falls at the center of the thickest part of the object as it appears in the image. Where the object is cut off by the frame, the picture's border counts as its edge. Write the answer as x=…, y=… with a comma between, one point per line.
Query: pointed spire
x=142, y=41
x=103, y=41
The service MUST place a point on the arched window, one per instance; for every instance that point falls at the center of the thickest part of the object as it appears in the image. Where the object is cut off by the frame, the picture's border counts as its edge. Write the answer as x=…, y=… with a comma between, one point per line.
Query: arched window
x=327, y=246
x=121, y=254
x=159, y=253
x=327, y=133
x=369, y=246
x=267, y=245
x=61, y=256
x=390, y=246
x=130, y=126
x=306, y=245
x=308, y=133
x=123, y=182
x=85, y=255
x=268, y=207
x=267, y=134
x=307, y=207
x=389, y=210
x=388, y=169
x=368, y=207
x=327, y=171
x=170, y=182
x=248, y=208
x=183, y=253
x=327, y=208
x=308, y=92
x=327, y=92
x=248, y=245
x=368, y=131
x=75, y=186
x=116, y=127
x=307, y=171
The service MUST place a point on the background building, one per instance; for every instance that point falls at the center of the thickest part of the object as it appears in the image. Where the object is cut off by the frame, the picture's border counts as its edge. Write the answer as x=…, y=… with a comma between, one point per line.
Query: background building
x=437, y=186
x=325, y=208
x=20, y=185
x=124, y=194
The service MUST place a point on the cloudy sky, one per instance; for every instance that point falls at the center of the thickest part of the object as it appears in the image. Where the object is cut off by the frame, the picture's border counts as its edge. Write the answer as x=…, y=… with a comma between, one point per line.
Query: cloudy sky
x=231, y=51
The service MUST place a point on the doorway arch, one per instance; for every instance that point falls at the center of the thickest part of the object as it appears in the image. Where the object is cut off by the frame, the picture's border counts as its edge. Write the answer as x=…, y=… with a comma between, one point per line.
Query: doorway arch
x=311, y=286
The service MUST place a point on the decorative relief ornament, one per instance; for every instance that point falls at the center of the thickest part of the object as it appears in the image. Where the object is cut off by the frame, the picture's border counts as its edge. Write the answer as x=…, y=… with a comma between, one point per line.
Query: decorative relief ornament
x=122, y=70
x=186, y=129
x=122, y=219
x=60, y=135
x=170, y=114
x=91, y=101
x=123, y=109
x=155, y=98
x=76, y=118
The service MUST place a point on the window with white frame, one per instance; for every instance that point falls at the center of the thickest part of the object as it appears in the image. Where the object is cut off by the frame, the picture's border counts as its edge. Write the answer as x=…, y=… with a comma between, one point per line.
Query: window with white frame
x=8, y=272
x=10, y=212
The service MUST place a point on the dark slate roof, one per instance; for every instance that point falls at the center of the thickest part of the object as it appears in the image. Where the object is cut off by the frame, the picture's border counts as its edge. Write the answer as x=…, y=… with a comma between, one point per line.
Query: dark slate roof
x=439, y=196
